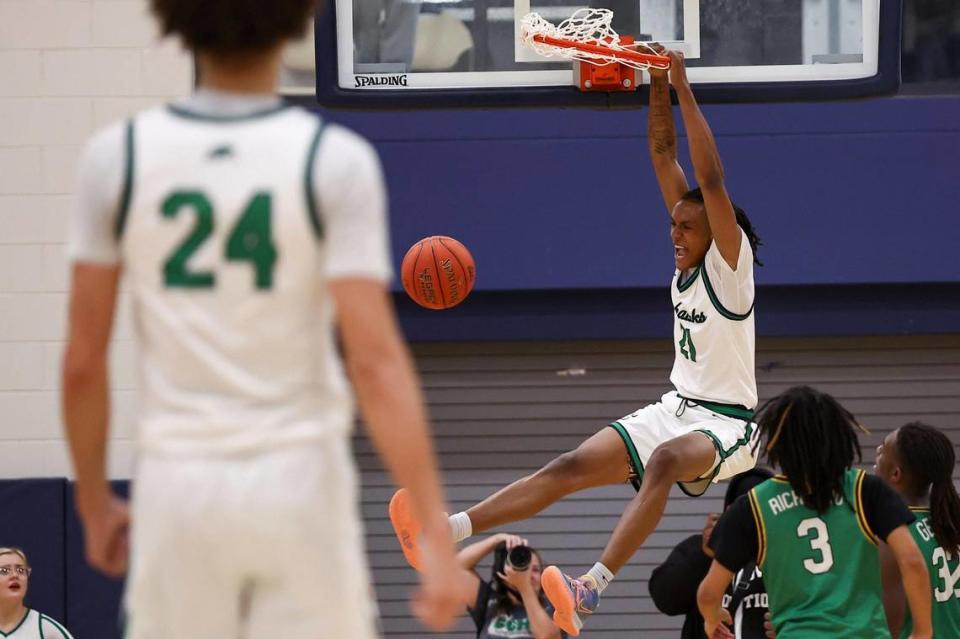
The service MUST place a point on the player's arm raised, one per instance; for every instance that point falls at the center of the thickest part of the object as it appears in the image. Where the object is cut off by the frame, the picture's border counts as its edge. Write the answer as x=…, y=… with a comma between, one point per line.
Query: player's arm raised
x=662, y=140
x=707, y=166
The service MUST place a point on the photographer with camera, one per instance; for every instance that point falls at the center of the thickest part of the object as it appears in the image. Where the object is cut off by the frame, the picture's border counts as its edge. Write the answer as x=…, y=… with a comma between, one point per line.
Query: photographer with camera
x=512, y=604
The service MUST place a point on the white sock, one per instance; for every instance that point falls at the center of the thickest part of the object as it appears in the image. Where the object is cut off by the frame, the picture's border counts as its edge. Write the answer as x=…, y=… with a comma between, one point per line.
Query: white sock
x=460, y=526
x=601, y=576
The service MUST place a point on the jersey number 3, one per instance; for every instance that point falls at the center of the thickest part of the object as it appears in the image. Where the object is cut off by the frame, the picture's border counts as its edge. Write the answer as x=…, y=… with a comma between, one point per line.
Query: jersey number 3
x=819, y=542
x=249, y=241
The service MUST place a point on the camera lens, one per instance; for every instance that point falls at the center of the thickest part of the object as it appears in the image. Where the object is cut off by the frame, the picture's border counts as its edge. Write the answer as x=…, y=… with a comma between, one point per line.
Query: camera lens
x=519, y=557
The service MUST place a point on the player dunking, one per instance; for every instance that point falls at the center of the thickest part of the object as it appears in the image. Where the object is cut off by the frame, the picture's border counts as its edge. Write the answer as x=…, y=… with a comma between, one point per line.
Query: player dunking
x=699, y=433
x=247, y=230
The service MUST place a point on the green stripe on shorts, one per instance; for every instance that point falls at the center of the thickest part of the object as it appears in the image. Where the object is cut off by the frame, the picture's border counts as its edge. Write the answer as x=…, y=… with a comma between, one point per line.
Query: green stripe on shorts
x=631, y=449
x=726, y=453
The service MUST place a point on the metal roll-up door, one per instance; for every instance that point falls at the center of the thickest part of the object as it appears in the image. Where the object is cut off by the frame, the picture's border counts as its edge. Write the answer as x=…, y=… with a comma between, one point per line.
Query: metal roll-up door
x=502, y=410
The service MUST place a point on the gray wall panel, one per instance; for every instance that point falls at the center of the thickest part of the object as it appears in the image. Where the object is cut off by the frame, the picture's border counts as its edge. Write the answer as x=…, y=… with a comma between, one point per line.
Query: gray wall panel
x=501, y=410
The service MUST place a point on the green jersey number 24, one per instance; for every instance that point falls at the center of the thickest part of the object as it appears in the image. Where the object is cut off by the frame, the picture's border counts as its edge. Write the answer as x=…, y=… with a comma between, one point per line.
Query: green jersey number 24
x=250, y=240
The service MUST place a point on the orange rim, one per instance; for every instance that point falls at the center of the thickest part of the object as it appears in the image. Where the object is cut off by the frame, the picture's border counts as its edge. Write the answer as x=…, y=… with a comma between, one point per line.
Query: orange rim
x=657, y=61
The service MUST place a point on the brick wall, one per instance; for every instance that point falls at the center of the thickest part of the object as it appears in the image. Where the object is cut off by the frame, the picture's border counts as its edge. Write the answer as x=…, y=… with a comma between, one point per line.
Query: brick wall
x=67, y=67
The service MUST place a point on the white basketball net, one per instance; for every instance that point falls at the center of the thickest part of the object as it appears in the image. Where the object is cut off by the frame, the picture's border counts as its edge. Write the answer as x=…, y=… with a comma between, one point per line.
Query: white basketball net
x=590, y=26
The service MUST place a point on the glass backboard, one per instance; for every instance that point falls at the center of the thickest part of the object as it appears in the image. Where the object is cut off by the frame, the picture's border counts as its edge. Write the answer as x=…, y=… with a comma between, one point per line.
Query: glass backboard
x=444, y=53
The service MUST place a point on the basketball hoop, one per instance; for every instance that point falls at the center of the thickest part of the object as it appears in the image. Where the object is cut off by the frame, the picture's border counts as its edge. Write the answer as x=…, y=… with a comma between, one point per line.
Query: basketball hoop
x=608, y=61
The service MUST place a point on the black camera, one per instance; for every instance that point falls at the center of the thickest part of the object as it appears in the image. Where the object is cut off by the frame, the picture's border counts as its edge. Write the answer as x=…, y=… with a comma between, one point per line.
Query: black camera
x=519, y=558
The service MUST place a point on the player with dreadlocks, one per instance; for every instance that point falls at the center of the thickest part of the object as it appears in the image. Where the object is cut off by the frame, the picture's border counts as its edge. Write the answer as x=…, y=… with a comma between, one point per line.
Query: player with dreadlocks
x=917, y=460
x=814, y=530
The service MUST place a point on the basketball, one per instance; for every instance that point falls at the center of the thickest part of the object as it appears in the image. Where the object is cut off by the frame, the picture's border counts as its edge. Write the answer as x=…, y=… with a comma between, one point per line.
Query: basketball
x=438, y=272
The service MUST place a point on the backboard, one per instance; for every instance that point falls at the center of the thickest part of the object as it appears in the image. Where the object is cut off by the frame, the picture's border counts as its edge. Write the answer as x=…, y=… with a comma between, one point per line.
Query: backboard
x=400, y=54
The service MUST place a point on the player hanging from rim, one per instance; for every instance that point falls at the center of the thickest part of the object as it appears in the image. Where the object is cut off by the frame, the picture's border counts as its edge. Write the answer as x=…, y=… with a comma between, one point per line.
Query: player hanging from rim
x=918, y=461
x=699, y=433
x=814, y=530
x=252, y=234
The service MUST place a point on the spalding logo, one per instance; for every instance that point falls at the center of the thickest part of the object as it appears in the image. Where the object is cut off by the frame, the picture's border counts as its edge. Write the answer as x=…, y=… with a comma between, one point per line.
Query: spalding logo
x=380, y=80
x=447, y=268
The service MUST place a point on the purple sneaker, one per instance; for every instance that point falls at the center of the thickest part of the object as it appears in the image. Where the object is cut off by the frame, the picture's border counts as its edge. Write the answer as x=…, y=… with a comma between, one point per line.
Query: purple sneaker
x=570, y=598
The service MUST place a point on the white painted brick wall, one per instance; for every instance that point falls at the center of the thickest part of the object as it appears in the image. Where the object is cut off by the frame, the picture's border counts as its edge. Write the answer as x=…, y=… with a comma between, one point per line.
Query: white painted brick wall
x=67, y=68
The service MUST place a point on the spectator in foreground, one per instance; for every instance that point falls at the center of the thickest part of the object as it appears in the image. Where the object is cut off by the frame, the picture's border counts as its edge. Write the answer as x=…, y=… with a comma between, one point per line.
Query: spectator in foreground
x=16, y=620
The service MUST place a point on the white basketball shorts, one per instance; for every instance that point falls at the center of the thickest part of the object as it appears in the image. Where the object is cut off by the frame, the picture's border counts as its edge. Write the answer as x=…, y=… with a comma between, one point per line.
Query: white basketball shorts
x=729, y=428
x=255, y=547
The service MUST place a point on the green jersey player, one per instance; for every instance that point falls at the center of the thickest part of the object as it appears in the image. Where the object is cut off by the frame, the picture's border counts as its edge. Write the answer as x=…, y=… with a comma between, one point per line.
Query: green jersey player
x=814, y=531
x=918, y=461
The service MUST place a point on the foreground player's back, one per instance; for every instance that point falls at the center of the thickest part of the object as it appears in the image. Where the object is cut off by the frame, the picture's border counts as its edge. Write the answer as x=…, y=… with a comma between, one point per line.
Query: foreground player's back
x=226, y=242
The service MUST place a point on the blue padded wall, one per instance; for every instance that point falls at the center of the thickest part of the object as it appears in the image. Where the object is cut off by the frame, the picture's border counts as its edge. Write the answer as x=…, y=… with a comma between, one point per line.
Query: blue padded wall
x=33, y=519
x=843, y=193
x=856, y=202
x=93, y=600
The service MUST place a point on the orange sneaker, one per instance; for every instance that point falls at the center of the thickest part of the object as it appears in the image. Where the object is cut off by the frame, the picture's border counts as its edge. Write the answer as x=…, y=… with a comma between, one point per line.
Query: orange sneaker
x=570, y=598
x=406, y=526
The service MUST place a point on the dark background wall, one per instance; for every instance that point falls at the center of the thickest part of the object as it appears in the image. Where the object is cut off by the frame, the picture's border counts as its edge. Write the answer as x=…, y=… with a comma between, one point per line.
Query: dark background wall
x=856, y=202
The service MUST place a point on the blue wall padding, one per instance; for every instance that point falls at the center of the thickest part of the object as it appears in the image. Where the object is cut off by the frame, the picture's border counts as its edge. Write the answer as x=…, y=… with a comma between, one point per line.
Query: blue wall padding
x=858, y=192
x=93, y=600
x=781, y=311
x=33, y=519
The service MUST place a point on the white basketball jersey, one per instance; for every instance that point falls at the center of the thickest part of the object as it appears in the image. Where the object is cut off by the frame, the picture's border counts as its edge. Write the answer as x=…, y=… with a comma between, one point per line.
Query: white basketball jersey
x=225, y=252
x=713, y=330
x=38, y=626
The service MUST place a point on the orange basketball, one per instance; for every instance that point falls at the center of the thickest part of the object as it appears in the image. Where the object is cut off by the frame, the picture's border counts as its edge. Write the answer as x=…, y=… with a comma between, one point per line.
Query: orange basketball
x=438, y=272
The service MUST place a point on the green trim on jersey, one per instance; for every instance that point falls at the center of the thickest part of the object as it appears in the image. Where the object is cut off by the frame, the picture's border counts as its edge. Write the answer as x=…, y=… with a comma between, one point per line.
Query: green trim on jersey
x=7, y=634
x=66, y=634
x=821, y=570
x=862, y=521
x=125, y=196
x=943, y=569
x=224, y=119
x=761, y=529
x=682, y=286
x=730, y=315
x=631, y=450
x=311, y=195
